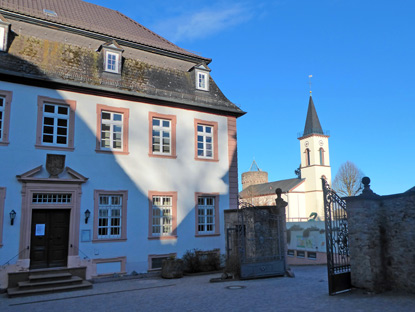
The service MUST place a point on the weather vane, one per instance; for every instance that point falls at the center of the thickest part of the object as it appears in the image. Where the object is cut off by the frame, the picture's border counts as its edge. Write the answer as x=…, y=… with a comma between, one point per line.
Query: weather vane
x=309, y=82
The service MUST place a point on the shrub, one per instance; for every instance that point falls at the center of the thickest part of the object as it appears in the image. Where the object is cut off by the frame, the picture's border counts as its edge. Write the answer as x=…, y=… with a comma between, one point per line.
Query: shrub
x=201, y=261
x=191, y=261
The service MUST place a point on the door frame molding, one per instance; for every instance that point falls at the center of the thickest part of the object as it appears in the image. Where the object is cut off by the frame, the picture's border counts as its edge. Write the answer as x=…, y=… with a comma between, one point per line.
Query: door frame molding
x=32, y=184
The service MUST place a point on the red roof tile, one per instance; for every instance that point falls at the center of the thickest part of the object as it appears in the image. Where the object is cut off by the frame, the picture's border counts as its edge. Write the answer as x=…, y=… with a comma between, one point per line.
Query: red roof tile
x=91, y=17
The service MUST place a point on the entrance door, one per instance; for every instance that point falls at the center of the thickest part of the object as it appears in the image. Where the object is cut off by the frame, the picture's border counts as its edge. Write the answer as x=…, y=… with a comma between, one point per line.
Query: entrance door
x=49, y=238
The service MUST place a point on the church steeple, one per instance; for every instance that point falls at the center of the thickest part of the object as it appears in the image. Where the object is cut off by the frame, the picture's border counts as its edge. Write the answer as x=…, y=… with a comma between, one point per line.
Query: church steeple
x=315, y=161
x=312, y=123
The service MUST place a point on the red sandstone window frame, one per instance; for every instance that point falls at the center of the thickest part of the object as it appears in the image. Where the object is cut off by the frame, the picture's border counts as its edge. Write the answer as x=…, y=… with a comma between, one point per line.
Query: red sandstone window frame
x=125, y=131
x=41, y=101
x=123, y=236
x=2, y=200
x=157, y=256
x=216, y=230
x=214, y=125
x=7, y=96
x=173, y=233
x=173, y=122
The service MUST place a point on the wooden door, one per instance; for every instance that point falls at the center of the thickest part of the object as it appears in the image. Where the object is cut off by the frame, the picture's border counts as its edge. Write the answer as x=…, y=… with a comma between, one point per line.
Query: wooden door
x=49, y=238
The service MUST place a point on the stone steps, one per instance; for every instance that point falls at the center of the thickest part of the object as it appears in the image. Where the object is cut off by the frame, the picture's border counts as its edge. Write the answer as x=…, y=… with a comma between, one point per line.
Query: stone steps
x=47, y=281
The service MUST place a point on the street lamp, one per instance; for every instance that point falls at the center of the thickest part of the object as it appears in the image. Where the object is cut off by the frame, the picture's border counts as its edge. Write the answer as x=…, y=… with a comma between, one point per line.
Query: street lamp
x=87, y=215
x=12, y=216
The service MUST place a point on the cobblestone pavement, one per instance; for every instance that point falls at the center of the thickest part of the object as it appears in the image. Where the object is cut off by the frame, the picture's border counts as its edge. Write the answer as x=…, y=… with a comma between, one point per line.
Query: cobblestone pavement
x=306, y=292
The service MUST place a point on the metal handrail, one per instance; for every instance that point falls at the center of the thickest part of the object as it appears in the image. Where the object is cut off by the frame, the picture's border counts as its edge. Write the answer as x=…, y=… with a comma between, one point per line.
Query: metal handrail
x=20, y=252
x=85, y=255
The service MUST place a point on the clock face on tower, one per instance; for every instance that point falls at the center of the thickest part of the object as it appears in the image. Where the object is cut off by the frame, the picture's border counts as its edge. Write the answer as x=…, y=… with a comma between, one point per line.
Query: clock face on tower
x=306, y=143
x=321, y=142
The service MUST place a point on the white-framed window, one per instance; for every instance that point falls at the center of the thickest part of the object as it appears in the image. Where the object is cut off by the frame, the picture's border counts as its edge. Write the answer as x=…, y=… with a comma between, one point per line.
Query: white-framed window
x=55, y=124
x=204, y=141
x=161, y=136
x=202, y=80
x=109, y=216
x=206, y=215
x=2, y=116
x=2, y=37
x=162, y=213
x=111, y=130
x=112, y=62
x=5, y=102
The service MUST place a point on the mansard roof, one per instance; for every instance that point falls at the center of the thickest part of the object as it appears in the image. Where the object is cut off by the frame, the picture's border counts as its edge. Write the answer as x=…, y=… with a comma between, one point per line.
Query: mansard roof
x=43, y=53
x=312, y=123
x=90, y=17
x=269, y=188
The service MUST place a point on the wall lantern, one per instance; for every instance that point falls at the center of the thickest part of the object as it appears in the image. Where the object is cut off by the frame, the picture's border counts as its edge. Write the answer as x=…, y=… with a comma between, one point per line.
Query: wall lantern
x=12, y=216
x=87, y=215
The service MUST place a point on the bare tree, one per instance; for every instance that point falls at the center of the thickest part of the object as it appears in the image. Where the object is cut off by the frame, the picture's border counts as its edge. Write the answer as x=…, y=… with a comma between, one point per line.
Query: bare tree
x=348, y=180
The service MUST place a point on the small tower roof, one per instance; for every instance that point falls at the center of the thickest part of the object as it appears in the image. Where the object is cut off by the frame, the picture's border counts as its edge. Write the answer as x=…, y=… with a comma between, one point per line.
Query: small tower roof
x=312, y=123
x=254, y=166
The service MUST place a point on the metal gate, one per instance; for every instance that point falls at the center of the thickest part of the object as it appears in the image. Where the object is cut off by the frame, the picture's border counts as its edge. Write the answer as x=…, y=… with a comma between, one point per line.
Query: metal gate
x=260, y=237
x=337, y=241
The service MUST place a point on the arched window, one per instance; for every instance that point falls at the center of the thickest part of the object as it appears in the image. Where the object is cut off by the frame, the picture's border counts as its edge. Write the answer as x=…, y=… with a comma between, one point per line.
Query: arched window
x=321, y=152
x=307, y=157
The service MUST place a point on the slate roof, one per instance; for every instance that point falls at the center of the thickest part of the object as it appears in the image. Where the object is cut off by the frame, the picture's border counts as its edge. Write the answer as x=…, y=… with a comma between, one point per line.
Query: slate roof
x=95, y=18
x=70, y=59
x=269, y=188
x=411, y=190
x=312, y=123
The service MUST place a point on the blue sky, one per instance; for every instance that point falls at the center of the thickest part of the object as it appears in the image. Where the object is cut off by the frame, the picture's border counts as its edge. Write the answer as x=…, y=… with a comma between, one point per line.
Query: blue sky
x=362, y=58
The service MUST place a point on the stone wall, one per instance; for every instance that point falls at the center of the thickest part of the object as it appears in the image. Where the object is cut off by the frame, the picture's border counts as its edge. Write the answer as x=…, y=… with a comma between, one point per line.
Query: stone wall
x=382, y=237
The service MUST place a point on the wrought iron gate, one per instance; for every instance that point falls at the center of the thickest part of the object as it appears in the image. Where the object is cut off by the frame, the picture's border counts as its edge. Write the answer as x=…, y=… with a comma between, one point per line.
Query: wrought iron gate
x=260, y=236
x=337, y=241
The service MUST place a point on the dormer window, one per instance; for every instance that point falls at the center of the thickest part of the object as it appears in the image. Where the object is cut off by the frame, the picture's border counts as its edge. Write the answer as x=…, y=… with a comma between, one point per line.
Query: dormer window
x=4, y=33
x=2, y=43
x=202, y=81
x=111, y=62
x=112, y=56
x=201, y=77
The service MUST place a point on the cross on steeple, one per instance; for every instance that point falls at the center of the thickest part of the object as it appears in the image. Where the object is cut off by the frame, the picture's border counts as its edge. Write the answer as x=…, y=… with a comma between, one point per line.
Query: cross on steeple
x=309, y=82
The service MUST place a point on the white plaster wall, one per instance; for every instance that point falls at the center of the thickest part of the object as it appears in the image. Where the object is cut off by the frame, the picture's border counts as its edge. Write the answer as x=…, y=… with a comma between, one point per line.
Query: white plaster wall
x=137, y=172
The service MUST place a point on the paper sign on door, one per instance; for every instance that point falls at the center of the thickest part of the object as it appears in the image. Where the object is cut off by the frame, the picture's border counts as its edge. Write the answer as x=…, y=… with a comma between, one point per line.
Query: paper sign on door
x=40, y=230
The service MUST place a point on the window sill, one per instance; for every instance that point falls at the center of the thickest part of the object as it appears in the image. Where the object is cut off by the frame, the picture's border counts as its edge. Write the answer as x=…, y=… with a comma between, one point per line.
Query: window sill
x=207, y=235
x=112, y=152
x=162, y=237
x=116, y=72
x=5, y=143
x=108, y=240
x=207, y=159
x=55, y=148
x=162, y=156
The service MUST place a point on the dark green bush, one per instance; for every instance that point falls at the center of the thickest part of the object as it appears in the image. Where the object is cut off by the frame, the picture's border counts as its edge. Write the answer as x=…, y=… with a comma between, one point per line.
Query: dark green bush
x=201, y=261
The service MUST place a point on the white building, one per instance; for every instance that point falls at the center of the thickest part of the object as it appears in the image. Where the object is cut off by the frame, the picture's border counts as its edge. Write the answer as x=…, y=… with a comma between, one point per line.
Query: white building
x=117, y=148
x=303, y=194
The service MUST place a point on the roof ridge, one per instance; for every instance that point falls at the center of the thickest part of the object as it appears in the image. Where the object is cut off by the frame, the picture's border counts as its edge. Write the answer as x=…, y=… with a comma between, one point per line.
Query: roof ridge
x=91, y=17
x=148, y=30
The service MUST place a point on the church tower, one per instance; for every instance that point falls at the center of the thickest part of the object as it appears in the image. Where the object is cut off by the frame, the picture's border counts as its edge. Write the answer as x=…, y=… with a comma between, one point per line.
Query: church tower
x=315, y=161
